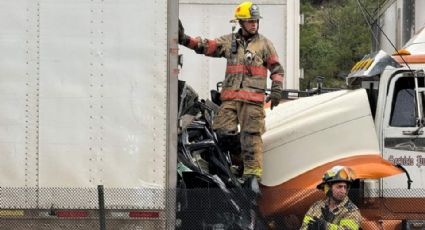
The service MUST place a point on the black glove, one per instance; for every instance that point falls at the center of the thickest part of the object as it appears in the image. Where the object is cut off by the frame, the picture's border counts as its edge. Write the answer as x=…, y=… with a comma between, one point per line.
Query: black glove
x=317, y=224
x=276, y=94
x=181, y=32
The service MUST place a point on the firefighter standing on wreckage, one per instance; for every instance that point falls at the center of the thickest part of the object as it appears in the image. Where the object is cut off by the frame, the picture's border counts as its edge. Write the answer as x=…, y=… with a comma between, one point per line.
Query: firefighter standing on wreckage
x=249, y=55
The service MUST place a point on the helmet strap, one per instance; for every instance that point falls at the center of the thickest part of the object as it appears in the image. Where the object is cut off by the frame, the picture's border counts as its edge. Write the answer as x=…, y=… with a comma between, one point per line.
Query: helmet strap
x=328, y=190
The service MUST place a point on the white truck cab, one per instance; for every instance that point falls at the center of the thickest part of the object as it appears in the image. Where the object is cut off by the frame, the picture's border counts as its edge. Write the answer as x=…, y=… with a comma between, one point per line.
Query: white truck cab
x=395, y=87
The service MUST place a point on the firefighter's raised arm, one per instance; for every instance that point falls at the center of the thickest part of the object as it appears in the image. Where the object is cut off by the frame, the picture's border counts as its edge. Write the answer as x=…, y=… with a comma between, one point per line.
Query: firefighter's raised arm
x=208, y=47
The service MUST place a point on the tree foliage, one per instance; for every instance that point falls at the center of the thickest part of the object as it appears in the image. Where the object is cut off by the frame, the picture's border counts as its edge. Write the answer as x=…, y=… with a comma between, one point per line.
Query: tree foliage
x=333, y=37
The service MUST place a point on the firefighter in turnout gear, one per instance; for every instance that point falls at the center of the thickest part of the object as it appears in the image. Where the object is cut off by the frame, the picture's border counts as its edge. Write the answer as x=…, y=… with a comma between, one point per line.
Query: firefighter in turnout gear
x=336, y=212
x=249, y=55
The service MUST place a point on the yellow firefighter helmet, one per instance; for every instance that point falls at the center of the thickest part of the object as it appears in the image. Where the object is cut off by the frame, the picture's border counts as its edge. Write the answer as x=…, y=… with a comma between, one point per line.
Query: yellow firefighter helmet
x=247, y=11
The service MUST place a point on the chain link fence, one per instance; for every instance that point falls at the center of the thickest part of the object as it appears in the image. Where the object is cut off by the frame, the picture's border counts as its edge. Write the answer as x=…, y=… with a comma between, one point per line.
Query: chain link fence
x=192, y=208
x=84, y=208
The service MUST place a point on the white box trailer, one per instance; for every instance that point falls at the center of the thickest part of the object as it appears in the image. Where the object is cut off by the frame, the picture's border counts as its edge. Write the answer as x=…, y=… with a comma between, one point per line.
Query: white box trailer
x=210, y=19
x=400, y=21
x=88, y=94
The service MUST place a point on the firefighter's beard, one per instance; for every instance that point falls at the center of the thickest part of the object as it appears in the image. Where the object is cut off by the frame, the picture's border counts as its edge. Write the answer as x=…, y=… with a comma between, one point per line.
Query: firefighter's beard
x=337, y=197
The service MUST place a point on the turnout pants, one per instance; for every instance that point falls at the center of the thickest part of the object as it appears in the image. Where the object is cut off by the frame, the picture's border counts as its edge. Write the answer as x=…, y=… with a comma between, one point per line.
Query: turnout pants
x=251, y=120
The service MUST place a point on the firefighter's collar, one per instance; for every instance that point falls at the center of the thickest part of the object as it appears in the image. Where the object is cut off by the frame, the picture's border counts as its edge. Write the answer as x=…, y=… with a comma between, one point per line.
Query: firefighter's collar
x=250, y=38
x=340, y=206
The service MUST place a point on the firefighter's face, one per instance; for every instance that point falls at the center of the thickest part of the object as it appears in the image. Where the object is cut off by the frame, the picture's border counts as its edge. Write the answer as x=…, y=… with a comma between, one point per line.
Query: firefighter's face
x=339, y=191
x=251, y=26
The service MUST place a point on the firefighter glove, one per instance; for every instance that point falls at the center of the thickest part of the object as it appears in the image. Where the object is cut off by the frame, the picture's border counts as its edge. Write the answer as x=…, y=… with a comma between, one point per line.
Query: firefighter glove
x=317, y=224
x=275, y=95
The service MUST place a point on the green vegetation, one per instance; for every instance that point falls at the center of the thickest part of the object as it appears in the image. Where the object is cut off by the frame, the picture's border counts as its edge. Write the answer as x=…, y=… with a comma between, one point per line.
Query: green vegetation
x=334, y=36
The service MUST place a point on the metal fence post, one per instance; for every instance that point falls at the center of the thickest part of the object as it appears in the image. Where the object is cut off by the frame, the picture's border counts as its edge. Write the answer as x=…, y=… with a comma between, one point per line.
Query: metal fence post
x=101, y=198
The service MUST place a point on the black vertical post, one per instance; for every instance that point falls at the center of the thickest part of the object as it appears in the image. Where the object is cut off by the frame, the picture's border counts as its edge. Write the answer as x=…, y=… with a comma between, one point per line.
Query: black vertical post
x=101, y=197
x=408, y=23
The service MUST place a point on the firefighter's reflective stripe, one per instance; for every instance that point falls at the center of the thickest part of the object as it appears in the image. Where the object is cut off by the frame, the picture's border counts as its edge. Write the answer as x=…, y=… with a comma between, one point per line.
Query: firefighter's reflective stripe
x=253, y=171
x=244, y=82
x=307, y=219
x=272, y=60
x=351, y=224
x=246, y=69
x=332, y=227
x=277, y=77
x=258, y=70
x=243, y=95
x=236, y=69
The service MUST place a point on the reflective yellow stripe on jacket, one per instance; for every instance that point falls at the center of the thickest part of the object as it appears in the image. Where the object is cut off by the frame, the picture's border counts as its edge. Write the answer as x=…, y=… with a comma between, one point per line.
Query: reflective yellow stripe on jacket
x=351, y=224
x=343, y=224
x=307, y=219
